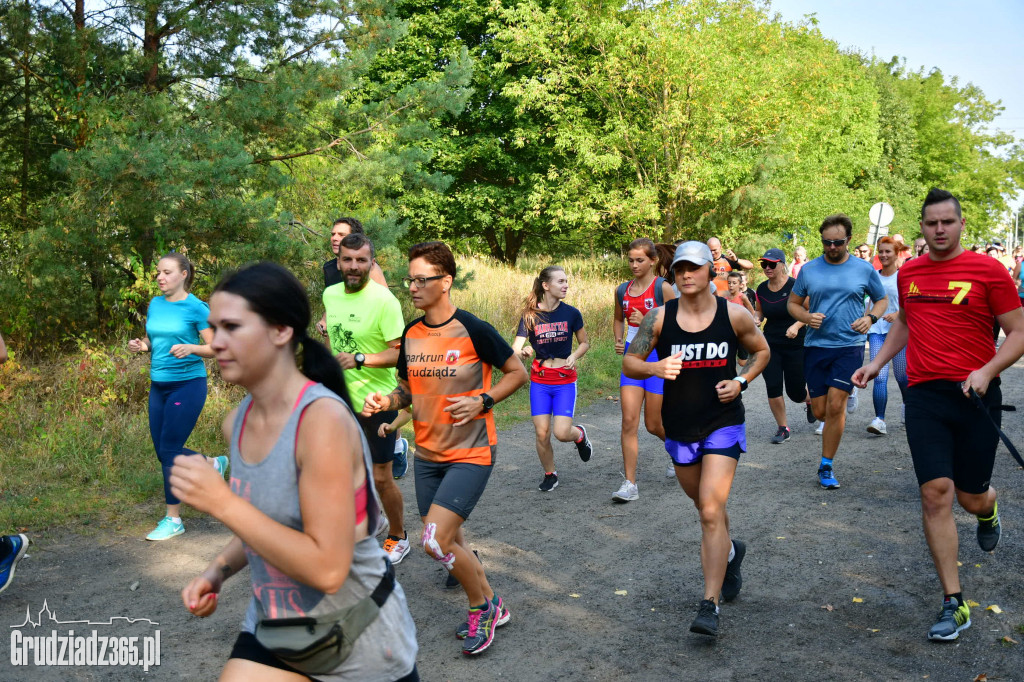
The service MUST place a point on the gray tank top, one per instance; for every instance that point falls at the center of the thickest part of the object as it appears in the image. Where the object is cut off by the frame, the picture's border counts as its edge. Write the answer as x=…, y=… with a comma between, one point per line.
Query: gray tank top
x=387, y=648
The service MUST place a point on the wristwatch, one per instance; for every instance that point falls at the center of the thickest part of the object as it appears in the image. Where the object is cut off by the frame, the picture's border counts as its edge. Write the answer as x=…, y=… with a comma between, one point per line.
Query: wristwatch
x=360, y=359
x=874, y=318
x=488, y=402
x=743, y=383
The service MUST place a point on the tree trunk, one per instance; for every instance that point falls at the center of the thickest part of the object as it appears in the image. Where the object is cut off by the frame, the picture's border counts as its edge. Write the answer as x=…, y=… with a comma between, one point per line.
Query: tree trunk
x=26, y=146
x=151, y=45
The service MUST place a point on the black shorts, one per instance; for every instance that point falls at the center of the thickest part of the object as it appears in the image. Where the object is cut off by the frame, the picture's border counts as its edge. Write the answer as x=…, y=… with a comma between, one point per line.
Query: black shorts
x=786, y=363
x=382, y=450
x=950, y=437
x=248, y=648
x=456, y=486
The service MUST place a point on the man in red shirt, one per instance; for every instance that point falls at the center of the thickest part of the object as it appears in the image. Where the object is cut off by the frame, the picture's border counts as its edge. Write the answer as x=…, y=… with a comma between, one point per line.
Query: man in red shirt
x=949, y=299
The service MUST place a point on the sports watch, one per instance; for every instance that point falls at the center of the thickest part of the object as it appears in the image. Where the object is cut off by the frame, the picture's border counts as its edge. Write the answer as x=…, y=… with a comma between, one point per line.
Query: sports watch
x=488, y=402
x=743, y=383
x=873, y=318
x=360, y=359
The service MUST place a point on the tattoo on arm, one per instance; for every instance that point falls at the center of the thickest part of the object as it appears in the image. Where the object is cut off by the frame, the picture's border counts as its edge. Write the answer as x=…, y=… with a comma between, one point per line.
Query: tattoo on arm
x=644, y=341
x=751, y=359
x=399, y=398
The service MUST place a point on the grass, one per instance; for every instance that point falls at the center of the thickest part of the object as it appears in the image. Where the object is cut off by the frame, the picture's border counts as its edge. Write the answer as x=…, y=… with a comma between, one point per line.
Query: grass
x=74, y=430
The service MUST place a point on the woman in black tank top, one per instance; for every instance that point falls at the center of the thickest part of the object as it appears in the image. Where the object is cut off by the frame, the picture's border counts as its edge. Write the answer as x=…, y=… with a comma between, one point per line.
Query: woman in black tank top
x=697, y=335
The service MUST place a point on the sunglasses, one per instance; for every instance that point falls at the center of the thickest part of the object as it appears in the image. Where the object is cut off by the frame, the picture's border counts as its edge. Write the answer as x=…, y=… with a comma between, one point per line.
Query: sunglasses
x=833, y=242
x=768, y=265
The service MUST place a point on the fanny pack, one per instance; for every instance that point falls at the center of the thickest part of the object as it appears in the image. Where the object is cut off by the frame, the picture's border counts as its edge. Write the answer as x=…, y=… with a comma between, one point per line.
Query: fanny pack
x=540, y=374
x=321, y=644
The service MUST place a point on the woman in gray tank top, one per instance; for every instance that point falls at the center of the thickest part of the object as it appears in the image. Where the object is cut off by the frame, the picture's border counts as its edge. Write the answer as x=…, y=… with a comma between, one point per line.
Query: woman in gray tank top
x=300, y=502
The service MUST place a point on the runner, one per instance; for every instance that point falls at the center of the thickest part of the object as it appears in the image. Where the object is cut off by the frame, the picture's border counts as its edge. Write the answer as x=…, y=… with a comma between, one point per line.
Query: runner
x=698, y=335
x=444, y=372
x=301, y=501
x=799, y=259
x=364, y=325
x=888, y=255
x=633, y=300
x=549, y=323
x=834, y=285
x=785, y=337
x=947, y=302
x=725, y=262
x=177, y=338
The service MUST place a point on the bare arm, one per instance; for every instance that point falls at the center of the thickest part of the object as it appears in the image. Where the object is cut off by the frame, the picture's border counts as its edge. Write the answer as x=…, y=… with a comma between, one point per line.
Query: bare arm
x=634, y=362
x=385, y=358
x=519, y=347
x=1009, y=352
x=667, y=292
x=895, y=341
x=377, y=275
x=618, y=327
x=463, y=409
x=182, y=350
x=200, y=595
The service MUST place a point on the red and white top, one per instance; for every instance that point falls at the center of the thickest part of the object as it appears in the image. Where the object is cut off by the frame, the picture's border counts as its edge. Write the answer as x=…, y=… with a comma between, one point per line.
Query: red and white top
x=645, y=303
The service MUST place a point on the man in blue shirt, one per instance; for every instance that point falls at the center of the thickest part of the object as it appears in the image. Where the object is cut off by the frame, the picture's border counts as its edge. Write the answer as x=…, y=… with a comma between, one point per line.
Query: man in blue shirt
x=835, y=286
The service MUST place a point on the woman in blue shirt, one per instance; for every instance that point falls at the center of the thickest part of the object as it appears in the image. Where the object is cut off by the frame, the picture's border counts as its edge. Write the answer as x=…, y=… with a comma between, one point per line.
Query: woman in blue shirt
x=550, y=325
x=178, y=337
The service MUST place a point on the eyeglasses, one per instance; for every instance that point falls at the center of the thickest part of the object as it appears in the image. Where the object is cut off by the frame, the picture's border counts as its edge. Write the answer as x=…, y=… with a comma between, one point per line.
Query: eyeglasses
x=833, y=242
x=768, y=265
x=419, y=281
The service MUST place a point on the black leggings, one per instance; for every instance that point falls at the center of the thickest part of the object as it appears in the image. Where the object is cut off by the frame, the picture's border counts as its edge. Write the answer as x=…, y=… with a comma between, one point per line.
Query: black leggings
x=785, y=364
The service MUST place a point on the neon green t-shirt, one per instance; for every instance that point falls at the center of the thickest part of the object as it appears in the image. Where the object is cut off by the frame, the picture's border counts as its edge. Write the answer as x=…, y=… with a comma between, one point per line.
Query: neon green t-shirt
x=364, y=322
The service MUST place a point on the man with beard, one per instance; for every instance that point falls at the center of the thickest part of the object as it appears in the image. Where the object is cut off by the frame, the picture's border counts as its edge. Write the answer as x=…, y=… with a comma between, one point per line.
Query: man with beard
x=836, y=285
x=364, y=324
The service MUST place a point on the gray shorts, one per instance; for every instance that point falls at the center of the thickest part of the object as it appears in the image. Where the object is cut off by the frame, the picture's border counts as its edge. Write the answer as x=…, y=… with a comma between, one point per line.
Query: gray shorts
x=456, y=486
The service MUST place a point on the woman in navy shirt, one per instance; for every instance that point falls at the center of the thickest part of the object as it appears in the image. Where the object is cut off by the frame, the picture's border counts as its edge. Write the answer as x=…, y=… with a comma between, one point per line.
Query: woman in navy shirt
x=549, y=324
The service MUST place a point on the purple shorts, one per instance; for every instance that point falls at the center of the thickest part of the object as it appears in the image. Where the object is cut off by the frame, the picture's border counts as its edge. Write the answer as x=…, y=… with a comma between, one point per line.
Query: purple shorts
x=730, y=441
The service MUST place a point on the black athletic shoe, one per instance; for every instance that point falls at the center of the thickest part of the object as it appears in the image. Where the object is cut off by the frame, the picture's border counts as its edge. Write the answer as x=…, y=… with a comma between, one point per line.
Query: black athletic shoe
x=733, y=578
x=781, y=436
x=549, y=483
x=988, y=531
x=810, y=415
x=450, y=582
x=584, y=447
x=706, y=622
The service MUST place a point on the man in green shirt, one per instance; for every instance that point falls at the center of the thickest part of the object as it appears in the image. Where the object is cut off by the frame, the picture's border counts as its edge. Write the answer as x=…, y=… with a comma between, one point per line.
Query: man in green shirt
x=365, y=325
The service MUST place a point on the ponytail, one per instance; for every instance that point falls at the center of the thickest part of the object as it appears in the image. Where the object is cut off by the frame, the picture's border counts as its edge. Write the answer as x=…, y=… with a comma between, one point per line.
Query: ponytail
x=531, y=306
x=320, y=365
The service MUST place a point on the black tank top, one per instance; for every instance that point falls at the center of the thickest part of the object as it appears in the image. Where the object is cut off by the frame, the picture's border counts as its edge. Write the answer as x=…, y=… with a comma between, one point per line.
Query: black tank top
x=691, y=410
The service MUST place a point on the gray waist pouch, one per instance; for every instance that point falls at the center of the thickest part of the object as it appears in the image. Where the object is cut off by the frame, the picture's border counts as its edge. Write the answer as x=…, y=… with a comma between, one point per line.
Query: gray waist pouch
x=320, y=644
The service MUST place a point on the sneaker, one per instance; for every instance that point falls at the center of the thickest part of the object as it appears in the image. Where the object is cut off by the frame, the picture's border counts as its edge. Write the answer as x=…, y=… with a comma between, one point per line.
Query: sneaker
x=549, y=483
x=988, y=531
x=706, y=622
x=584, y=447
x=627, y=492
x=450, y=582
x=19, y=544
x=781, y=436
x=480, y=630
x=670, y=472
x=396, y=548
x=877, y=426
x=166, y=529
x=827, y=478
x=821, y=428
x=810, y=414
x=220, y=465
x=903, y=414
x=400, y=465
x=733, y=578
x=953, y=618
x=851, y=402
x=503, y=617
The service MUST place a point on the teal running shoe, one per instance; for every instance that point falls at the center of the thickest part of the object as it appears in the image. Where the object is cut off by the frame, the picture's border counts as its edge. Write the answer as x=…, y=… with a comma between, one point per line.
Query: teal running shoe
x=166, y=529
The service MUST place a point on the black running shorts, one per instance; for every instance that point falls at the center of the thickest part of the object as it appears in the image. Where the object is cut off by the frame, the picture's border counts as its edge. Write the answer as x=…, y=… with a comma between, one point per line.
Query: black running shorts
x=950, y=437
x=382, y=450
x=456, y=486
x=248, y=648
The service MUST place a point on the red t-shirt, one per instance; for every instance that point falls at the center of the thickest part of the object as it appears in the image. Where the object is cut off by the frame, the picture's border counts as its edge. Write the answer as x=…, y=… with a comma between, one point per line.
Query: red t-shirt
x=950, y=308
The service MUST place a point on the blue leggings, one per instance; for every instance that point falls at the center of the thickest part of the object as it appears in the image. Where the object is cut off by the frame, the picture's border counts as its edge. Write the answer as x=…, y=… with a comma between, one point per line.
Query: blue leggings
x=174, y=408
x=880, y=392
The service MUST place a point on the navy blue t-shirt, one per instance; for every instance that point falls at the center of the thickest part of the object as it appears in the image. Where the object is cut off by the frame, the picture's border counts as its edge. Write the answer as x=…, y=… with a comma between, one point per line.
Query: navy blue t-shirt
x=551, y=336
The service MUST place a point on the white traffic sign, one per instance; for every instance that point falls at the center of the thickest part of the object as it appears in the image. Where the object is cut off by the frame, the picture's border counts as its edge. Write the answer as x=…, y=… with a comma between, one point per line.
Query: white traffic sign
x=881, y=214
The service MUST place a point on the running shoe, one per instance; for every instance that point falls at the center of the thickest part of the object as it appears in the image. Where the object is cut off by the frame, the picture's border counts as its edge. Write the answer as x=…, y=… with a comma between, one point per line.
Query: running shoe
x=480, y=630
x=670, y=472
x=19, y=544
x=733, y=578
x=584, y=446
x=450, y=582
x=781, y=436
x=706, y=622
x=989, y=531
x=953, y=618
x=549, y=483
x=877, y=426
x=827, y=478
x=503, y=617
x=220, y=465
x=851, y=402
x=627, y=492
x=166, y=529
x=400, y=465
x=820, y=429
x=810, y=414
x=903, y=414
x=396, y=548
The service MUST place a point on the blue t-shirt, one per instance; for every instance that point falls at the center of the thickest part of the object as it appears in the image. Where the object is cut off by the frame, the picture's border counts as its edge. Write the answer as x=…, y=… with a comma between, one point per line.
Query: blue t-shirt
x=838, y=291
x=551, y=336
x=170, y=323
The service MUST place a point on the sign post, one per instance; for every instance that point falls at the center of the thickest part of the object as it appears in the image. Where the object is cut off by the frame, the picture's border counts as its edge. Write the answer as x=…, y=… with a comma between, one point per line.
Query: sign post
x=880, y=215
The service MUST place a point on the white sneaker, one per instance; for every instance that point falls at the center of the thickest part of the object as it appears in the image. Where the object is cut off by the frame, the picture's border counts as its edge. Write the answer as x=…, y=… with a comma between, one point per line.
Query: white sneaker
x=903, y=414
x=396, y=548
x=821, y=427
x=627, y=492
x=851, y=402
x=671, y=472
x=877, y=427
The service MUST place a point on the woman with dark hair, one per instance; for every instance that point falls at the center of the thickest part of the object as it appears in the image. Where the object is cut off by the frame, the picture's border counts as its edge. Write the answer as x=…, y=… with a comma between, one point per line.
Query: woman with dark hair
x=549, y=324
x=177, y=338
x=301, y=505
x=634, y=299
